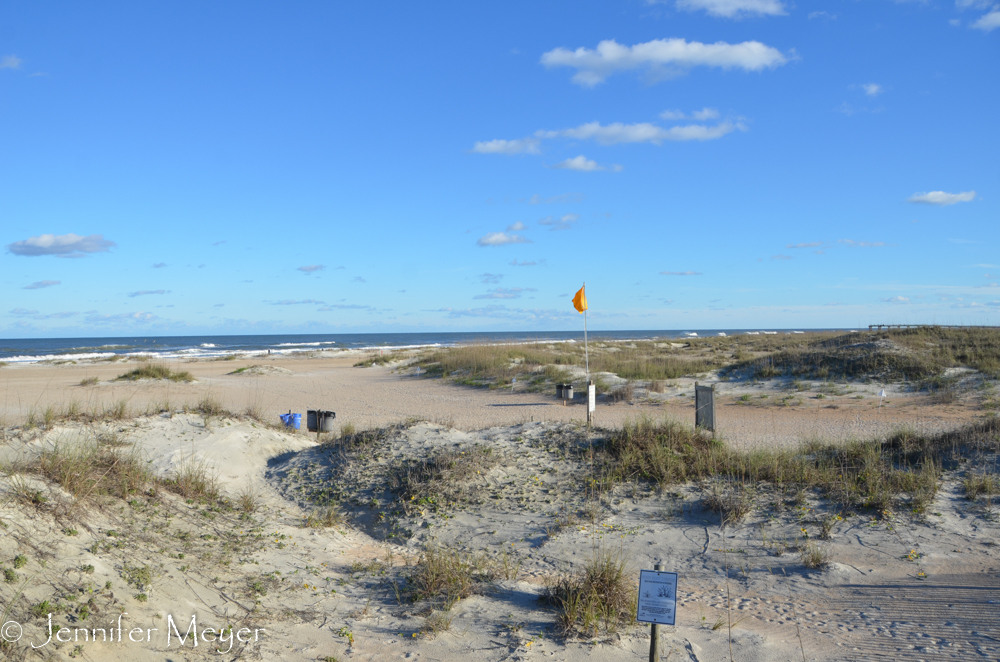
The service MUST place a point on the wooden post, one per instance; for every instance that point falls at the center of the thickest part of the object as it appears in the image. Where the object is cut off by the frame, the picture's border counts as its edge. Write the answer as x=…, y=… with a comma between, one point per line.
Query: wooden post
x=654, y=634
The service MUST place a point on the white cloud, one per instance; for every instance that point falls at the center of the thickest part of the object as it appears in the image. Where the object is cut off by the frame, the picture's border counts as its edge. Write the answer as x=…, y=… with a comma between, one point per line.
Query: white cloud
x=517, y=226
x=611, y=134
x=501, y=239
x=734, y=8
x=292, y=302
x=583, y=164
x=517, y=146
x=310, y=268
x=358, y=279
x=564, y=222
x=160, y=265
x=974, y=4
x=505, y=293
x=822, y=14
x=62, y=245
x=523, y=263
x=680, y=273
x=10, y=62
x=39, y=284
x=23, y=311
x=490, y=279
x=954, y=22
x=139, y=316
x=896, y=300
x=699, y=115
x=941, y=199
x=988, y=22
x=872, y=89
x=141, y=293
x=808, y=244
x=595, y=66
x=781, y=257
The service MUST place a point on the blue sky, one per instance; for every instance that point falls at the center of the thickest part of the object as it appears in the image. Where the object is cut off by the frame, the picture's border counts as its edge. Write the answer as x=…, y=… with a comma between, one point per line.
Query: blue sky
x=181, y=168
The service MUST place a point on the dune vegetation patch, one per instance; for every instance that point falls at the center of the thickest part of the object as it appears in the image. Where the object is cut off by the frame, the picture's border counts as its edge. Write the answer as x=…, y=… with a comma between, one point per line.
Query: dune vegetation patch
x=155, y=371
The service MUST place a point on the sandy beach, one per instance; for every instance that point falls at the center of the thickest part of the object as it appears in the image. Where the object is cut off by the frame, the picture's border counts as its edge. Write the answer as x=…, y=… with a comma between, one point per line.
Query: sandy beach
x=898, y=586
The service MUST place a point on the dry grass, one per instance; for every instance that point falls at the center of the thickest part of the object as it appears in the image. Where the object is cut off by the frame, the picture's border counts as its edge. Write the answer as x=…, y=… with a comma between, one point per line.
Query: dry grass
x=448, y=575
x=984, y=484
x=445, y=474
x=602, y=597
x=900, y=470
x=324, y=518
x=194, y=480
x=93, y=469
x=155, y=371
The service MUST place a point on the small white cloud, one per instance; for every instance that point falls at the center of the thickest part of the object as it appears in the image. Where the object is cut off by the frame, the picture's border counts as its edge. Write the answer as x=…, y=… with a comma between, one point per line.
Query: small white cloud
x=501, y=239
x=10, y=62
x=808, y=244
x=734, y=8
x=517, y=146
x=954, y=22
x=516, y=227
x=988, y=22
x=680, y=273
x=872, y=89
x=699, y=115
x=595, y=66
x=292, y=302
x=826, y=16
x=564, y=222
x=896, y=300
x=343, y=306
x=781, y=257
x=142, y=293
x=523, y=263
x=23, y=311
x=490, y=279
x=160, y=265
x=941, y=199
x=39, y=284
x=583, y=164
x=311, y=268
x=63, y=245
x=643, y=132
x=358, y=279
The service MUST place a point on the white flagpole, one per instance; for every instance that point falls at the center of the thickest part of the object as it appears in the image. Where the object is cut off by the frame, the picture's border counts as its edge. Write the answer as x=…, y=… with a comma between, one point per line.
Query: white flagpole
x=586, y=348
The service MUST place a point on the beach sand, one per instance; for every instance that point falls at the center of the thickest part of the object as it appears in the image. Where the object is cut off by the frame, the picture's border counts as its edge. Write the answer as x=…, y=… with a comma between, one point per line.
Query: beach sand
x=901, y=587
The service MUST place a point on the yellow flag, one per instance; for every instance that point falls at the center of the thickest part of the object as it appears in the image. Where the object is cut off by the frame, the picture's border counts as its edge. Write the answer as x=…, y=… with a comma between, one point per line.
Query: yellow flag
x=580, y=301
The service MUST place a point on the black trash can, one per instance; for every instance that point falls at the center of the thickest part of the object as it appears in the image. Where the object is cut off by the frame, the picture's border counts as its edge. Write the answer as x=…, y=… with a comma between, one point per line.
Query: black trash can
x=319, y=420
x=559, y=391
x=568, y=391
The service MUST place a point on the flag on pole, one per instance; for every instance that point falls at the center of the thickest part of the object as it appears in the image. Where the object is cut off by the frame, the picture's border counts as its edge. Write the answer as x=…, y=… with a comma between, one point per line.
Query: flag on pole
x=881, y=393
x=580, y=300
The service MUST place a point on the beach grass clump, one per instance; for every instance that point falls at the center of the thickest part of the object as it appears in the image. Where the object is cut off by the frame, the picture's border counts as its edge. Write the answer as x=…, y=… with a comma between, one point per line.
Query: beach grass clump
x=89, y=381
x=813, y=556
x=194, y=480
x=447, y=575
x=155, y=371
x=981, y=484
x=93, y=469
x=601, y=597
x=324, y=518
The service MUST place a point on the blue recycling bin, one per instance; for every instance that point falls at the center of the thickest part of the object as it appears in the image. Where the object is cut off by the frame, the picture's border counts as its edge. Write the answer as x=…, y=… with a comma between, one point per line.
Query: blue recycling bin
x=291, y=420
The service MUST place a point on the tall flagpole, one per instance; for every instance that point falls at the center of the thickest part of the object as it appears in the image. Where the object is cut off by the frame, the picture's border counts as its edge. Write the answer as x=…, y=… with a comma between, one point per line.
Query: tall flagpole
x=586, y=349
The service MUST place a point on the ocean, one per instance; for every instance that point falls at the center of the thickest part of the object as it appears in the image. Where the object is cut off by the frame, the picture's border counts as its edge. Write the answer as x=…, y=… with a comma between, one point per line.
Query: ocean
x=176, y=347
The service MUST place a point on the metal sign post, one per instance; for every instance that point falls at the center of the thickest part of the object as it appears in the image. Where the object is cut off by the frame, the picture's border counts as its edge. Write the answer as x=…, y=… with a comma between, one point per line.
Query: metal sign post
x=657, y=604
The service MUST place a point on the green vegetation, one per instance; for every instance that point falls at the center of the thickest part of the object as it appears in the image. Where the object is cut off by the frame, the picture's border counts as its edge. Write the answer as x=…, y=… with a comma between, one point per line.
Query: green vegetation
x=155, y=371
x=860, y=474
x=920, y=354
x=93, y=469
x=600, y=597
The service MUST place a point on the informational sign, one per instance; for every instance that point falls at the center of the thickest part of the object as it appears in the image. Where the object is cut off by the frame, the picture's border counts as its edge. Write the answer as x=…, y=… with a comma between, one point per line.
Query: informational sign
x=591, y=397
x=657, y=597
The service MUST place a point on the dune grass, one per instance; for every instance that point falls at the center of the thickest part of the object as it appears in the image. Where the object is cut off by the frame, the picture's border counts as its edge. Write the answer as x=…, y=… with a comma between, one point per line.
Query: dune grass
x=599, y=598
x=155, y=371
x=902, y=469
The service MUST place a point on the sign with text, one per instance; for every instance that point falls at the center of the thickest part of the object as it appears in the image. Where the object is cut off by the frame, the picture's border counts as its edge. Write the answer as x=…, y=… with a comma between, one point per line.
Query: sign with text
x=657, y=597
x=591, y=397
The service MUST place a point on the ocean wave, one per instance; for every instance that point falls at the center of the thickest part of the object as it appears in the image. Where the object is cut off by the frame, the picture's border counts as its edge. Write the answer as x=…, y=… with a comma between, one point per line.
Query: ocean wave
x=305, y=344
